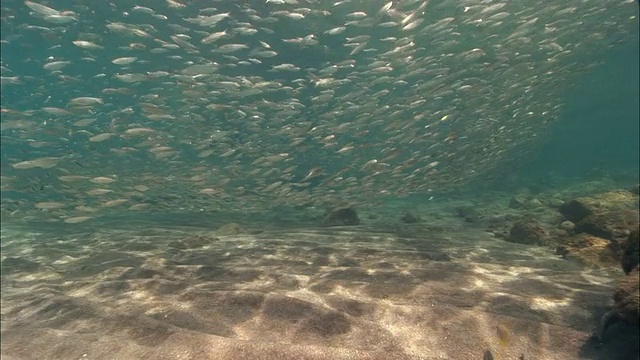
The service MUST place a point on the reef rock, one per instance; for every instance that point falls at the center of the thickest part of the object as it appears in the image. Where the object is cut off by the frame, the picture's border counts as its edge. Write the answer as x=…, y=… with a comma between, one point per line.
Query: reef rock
x=626, y=296
x=341, y=217
x=589, y=250
x=613, y=225
x=527, y=232
x=577, y=209
x=626, y=306
x=631, y=255
x=468, y=212
x=410, y=218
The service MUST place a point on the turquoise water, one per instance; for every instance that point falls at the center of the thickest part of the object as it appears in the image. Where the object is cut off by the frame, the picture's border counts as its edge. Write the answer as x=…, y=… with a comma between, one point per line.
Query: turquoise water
x=169, y=170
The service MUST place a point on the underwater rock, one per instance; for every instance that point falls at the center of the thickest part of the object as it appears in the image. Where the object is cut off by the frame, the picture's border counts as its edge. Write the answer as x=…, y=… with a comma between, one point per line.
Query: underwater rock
x=230, y=229
x=191, y=242
x=527, y=232
x=555, y=237
x=341, y=217
x=626, y=296
x=589, y=250
x=410, y=218
x=567, y=226
x=612, y=225
x=577, y=209
x=522, y=202
x=535, y=203
x=626, y=306
x=554, y=203
x=469, y=213
x=517, y=202
x=631, y=255
x=635, y=189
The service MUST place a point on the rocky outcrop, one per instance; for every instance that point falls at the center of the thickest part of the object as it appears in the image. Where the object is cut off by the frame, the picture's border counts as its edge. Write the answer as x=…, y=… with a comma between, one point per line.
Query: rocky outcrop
x=626, y=304
x=603, y=223
x=612, y=225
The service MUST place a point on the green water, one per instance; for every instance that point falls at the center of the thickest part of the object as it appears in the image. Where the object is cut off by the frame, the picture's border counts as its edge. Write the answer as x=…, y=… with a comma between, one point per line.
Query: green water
x=168, y=170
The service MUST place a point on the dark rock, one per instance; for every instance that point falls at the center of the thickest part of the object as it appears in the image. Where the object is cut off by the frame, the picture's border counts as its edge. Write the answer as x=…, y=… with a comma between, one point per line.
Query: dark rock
x=575, y=210
x=341, y=217
x=579, y=208
x=626, y=303
x=563, y=251
x=612, y=225
x=527, y=232
x=631, y=255
x=410, y=218
x=468, y=213
x=635, y=189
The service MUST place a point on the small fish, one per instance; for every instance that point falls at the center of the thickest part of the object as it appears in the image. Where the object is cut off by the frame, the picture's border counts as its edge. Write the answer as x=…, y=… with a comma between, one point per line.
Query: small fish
x=503, y=335
x=88, y=45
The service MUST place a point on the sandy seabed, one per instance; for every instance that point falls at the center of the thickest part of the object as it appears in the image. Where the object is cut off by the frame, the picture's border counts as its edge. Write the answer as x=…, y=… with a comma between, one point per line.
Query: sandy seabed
x=338, y=293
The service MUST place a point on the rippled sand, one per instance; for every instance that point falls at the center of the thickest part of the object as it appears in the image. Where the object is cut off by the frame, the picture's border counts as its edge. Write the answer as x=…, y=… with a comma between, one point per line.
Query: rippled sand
x=432, y=292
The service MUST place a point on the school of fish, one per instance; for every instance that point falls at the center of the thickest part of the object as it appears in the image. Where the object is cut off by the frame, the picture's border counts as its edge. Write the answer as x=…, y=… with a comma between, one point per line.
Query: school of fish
x=243, y=105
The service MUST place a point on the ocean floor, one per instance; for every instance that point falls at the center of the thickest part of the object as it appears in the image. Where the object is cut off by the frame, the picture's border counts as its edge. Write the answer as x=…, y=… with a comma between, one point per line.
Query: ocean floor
x=361, y=292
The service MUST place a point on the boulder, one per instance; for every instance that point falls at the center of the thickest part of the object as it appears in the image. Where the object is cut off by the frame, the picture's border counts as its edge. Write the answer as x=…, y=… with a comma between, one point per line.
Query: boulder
x=626, y=306
x=468, y=212
x=613, y=225
x=410, y=218
x=577, y=209
x=631, y=255
x=527, y=232
x=341, y=217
